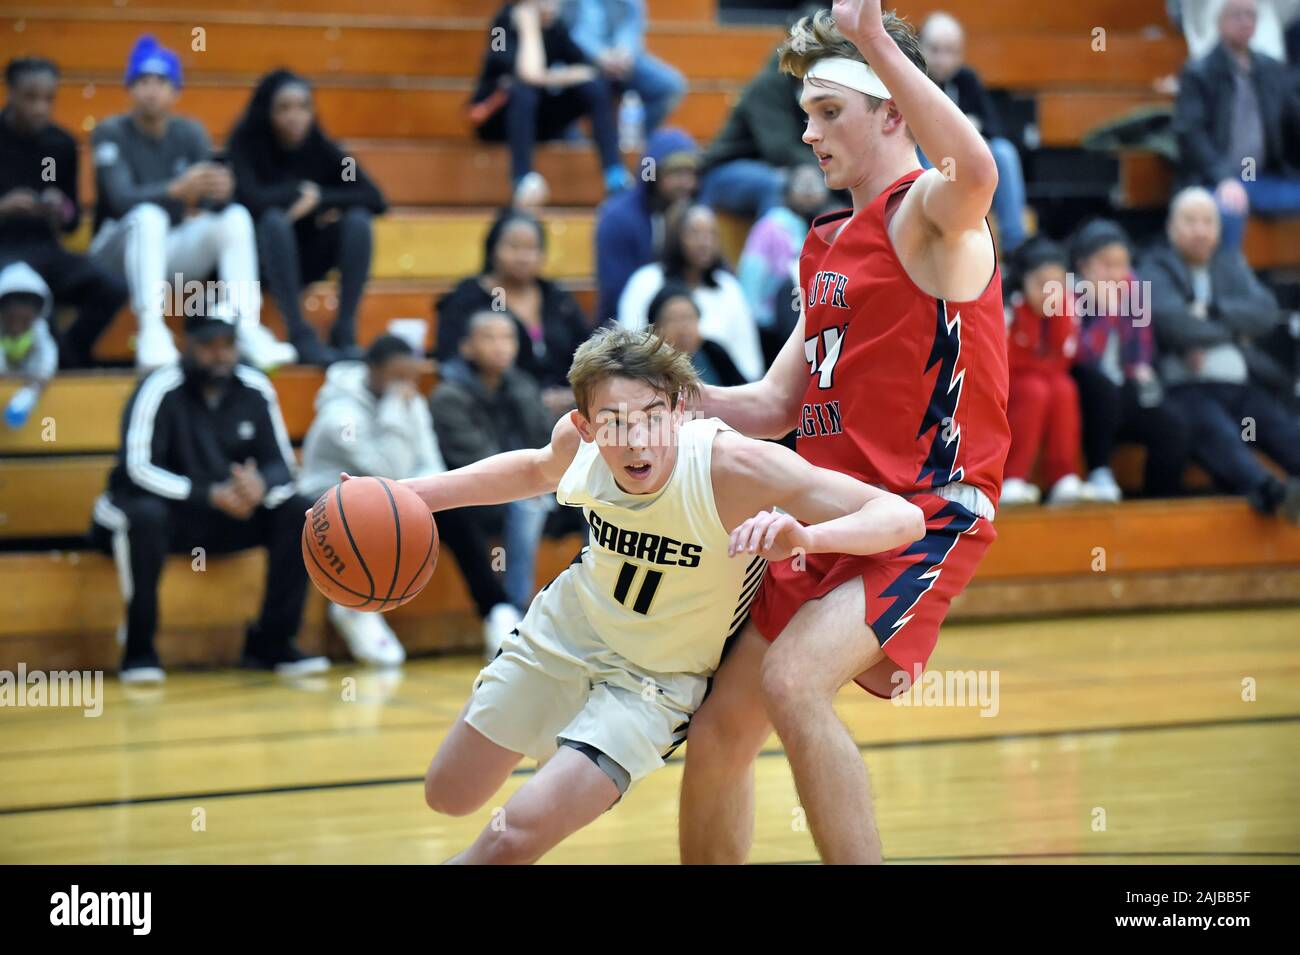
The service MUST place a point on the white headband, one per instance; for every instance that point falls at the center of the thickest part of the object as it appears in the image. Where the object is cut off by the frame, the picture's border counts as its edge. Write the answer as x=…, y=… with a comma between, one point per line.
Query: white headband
x=851, y=73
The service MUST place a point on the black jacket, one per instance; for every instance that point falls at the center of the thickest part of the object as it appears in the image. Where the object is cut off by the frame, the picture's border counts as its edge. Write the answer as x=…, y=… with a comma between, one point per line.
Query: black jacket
x=174, y=446
x=1240, y=307
x=766, y=123
x=564, y=328
x=1203, y=118
x=498, y=68
x=966, y=90
x=472, y=424
x=25, y=161
x=270, y=177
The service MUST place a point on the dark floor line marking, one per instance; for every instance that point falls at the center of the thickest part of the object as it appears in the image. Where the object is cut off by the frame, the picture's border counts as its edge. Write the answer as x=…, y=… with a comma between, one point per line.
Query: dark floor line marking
x=1071, y=855
x=528, y=771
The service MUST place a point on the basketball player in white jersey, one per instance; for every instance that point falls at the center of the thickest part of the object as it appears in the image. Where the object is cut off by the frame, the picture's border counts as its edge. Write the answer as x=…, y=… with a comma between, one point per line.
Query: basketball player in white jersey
x=602, y=675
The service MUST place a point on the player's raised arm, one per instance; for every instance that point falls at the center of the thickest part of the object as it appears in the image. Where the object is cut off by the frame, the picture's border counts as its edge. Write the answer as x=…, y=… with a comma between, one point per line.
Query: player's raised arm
x=955, y=196
x=844, y=515
x=509, y=476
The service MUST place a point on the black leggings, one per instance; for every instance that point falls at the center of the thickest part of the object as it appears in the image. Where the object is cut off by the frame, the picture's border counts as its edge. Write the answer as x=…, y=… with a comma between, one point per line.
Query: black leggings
x=294, y=254
x=535, y=113
x=1112, y=415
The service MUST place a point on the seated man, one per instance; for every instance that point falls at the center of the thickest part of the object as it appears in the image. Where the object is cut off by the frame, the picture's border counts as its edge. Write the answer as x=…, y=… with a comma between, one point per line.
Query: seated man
x=38, y=204
x=370, y=419
x=1237, y=117
x=1206, y=305
x=205, y=462
x=164, y=211
x=483, y=406
x=944, y=43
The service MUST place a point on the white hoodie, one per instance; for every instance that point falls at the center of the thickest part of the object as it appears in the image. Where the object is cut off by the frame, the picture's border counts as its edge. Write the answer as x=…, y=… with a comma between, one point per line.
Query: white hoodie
x=356, y=432
x=42, y=359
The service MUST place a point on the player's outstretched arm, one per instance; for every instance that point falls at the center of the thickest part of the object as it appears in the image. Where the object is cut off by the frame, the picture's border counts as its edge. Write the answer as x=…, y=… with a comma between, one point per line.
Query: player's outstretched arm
x=768, y=408
x=509, y=476
x=956, y=195
x=843, y=515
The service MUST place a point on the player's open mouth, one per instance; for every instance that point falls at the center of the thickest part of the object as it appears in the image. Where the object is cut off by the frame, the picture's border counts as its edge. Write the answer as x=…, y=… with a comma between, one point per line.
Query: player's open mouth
x=823, y=160
x=638, y=471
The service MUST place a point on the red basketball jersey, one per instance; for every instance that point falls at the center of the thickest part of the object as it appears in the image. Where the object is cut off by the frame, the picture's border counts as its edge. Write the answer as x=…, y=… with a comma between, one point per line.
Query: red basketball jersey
x=905, y=391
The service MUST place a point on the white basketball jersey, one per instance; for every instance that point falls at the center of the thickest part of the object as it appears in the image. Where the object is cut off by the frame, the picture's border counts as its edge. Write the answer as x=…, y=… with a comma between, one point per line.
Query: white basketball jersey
x=655, y=580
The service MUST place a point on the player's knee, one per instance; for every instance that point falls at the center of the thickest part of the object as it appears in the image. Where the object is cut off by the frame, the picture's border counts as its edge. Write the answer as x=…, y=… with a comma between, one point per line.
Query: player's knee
x=445, y=798
x=787, y=691
x=726, y=737
x=509, y=845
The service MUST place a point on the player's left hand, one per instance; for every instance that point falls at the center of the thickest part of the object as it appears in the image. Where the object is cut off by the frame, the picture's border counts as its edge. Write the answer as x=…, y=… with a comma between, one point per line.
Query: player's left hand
x=855, y=18
x=768, y=534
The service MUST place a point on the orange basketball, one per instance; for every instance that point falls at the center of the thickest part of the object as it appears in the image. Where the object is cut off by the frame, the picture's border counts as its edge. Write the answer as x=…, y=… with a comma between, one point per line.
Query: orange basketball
x=369, y=544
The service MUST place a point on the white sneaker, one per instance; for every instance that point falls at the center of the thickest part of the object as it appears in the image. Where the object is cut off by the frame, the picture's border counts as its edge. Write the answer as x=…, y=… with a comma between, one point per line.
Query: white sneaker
x=154, y=347
x=142, y=675
x=532, y=192
x=1069, y=489
x=1018, y=491
x=500, y=621
x=368, y=636
x=262, y=349
x=1103, y=487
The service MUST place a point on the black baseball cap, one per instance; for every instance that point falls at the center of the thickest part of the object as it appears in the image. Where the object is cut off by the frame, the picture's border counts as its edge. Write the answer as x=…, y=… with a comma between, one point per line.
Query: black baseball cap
x=205, y=328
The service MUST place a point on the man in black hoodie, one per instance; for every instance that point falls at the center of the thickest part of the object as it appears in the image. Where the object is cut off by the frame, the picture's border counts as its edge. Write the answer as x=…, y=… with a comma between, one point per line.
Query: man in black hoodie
x=205, y=468
x=38, y=203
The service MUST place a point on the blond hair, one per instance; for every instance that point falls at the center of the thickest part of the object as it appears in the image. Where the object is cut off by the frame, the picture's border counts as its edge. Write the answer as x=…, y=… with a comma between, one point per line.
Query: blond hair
x=817, y=38
x=644, y=356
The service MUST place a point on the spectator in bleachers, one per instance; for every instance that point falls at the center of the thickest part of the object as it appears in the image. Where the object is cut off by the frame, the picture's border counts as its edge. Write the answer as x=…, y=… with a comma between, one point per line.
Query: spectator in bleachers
x=1042, y=399
x=629, y=226
x=312, y=204
x=1237, y=118
x=1207, y=306
x=549, y=321
x=1199, y=22
x=674, y=315
x=27, y=349
x=205, y=468
x=164, y=209
x=38, y=203
x=370, y=420
x=1119, y=393
x=693, y=256
x=535, y=83
x=612, y=34
x=772, y=246
x=744, y=168
x=484, y=405
x=944, y=43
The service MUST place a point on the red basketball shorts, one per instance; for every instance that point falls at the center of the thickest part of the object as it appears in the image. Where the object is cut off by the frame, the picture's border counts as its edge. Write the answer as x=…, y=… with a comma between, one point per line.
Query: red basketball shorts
x=908, y=589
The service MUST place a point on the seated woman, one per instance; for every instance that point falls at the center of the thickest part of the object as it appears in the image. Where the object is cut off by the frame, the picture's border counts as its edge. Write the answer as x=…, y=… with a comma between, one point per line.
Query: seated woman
x=675, y=317
x=692, y=256
x=549, y=320
x=312, y=204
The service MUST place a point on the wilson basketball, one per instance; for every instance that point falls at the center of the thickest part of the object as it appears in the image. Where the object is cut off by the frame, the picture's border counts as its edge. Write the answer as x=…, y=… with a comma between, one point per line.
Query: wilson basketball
x=369, y=544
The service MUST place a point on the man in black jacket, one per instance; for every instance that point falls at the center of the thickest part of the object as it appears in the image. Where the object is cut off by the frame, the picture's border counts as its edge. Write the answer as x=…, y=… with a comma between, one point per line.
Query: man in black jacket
x=944, y=43
x=1207, y=306
x=38, y=203
x=205, y=463
x=1237, y=118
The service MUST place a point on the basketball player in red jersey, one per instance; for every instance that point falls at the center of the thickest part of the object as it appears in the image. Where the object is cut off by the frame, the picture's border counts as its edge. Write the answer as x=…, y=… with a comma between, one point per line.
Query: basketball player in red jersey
x=897, y=375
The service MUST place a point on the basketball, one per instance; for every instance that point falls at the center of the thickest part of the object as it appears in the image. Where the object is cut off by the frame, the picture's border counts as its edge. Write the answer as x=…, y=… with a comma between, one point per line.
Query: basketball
x=369, y=544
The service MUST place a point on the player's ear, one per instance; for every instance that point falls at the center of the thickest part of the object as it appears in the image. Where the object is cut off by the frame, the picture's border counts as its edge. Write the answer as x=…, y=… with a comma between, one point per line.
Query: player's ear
x=582, y=424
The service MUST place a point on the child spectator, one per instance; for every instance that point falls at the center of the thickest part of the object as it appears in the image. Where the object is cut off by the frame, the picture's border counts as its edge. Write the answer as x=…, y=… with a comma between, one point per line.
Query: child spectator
x=482, y=406
x=674, y=315
x=1119, y=393
x=27, y=349
x=312, y=204
x=370, y=420
x=1042, y=400
x=693, y=256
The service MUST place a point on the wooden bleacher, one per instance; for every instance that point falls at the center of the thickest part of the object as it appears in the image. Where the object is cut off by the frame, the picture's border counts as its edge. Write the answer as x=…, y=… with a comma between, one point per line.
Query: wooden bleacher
x=392, y=79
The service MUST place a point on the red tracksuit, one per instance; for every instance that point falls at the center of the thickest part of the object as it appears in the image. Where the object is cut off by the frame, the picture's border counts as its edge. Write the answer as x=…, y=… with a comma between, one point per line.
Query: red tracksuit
x=1043, y=403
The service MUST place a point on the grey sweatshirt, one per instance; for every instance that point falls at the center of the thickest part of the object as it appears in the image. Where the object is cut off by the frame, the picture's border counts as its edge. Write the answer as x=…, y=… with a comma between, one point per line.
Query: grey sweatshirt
x=356, y=432
x=131, y=167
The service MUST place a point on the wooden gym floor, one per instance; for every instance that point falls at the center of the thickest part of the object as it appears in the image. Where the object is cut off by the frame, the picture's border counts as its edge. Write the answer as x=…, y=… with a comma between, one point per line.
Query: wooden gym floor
x=1118, y=739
